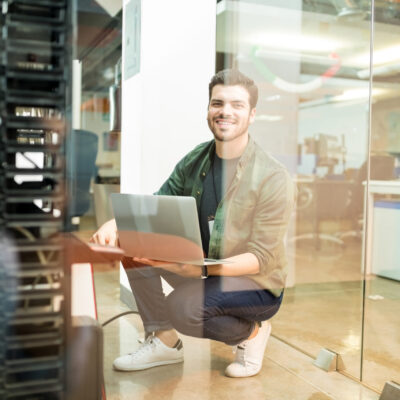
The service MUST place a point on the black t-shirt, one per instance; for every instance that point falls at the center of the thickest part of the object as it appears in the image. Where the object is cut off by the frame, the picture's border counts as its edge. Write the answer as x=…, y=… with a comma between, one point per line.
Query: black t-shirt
x=215, y=185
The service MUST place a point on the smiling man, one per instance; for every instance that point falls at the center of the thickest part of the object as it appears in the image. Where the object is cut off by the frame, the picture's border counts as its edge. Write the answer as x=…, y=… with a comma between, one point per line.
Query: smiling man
x=244, y=199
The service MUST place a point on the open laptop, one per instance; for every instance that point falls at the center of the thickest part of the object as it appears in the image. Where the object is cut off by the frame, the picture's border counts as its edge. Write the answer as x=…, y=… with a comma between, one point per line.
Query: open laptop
x=160, y=228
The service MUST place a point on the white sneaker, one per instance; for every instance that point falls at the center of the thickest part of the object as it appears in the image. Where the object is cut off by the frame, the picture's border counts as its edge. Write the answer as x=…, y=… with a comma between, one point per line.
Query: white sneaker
x=151, y=353
x=250, y=354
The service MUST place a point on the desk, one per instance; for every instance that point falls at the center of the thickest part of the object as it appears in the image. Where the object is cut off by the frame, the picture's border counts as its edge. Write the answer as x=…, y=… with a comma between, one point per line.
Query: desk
x=373, y=188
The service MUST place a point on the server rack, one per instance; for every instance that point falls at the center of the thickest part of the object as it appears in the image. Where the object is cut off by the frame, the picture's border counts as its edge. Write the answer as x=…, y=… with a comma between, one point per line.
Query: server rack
x=35, y=76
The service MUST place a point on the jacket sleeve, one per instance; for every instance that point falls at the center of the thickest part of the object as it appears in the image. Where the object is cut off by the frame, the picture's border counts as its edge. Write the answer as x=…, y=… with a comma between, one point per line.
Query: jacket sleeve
x=271, y=218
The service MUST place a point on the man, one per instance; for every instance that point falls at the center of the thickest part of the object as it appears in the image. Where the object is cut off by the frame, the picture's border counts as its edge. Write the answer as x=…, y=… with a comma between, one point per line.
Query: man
x=244, y=199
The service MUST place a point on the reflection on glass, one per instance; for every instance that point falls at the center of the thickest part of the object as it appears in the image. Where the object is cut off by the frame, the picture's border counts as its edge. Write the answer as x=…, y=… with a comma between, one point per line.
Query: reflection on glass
x=95, y=146
x=382, y=303
x=311, y=61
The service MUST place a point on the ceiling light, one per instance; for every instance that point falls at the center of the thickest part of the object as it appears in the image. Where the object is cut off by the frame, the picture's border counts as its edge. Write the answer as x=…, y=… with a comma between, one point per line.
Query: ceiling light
x=274, y=97
x=295, y=57
x=296, y=42
x=269, y=118
x=356, y=94
x=108, y=74
x=348, y=10
x=351, y=14
x=380, y=57
x=387, y=55
x=384, y=70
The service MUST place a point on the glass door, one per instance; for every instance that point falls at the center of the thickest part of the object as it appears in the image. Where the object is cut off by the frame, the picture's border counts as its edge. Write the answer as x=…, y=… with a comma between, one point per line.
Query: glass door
x=381, y=347
x=336, y=127
x=311, y=62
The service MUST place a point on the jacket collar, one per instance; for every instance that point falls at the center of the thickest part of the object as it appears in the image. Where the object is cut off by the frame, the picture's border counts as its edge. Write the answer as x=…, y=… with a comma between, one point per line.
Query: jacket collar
x=244, y=158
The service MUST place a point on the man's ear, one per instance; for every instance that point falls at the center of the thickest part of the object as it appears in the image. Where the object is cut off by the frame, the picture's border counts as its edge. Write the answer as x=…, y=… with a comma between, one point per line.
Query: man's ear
x=252, y=116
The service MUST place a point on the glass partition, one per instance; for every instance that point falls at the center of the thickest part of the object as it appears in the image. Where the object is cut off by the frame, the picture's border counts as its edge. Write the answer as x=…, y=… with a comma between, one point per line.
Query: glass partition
x=381, y=362
x=311, y=62
x=337, y=134
x=96, y=166
x=95, y=169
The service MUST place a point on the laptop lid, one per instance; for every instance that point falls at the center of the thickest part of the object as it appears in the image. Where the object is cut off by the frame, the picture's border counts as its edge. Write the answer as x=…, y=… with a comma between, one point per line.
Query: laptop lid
x=158, y=227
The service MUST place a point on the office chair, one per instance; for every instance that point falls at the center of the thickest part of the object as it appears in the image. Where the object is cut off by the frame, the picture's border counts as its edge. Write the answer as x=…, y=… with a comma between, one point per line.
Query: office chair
x=324, y=199
x=81, y=153
x=382, y=167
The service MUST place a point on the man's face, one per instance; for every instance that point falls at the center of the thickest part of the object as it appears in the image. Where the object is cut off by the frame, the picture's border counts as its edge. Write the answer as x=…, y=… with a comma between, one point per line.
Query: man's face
x=229, y=112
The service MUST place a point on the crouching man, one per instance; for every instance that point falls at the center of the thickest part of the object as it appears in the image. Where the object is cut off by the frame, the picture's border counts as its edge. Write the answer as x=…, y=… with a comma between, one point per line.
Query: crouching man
x=244, y=199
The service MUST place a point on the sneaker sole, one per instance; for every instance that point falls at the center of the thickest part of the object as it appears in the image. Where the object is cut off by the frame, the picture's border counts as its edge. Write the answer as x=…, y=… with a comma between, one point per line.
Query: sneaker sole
x=146, y=366
x=242, y=376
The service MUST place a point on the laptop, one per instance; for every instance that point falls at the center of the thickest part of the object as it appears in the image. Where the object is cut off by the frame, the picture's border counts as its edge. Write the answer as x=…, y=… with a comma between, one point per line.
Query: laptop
x=160, y=228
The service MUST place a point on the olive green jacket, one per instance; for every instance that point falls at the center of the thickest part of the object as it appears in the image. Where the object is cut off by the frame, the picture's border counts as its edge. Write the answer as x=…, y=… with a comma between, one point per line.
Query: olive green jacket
x=253, y=215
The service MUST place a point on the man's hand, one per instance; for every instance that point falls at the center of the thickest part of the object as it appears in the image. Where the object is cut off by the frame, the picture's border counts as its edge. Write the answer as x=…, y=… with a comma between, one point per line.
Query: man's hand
x=107, y=234
x=186, y=270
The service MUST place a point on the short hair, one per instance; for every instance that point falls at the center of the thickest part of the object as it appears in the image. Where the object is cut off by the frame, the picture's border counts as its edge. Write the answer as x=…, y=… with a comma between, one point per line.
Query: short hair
x=232, y=77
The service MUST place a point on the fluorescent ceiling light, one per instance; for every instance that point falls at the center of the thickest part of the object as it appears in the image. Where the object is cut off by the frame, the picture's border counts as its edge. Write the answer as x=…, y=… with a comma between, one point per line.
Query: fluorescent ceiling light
x=269, y=118
x=356, y=94
x=385, y=70
x=274, y=97
x=387, y=55
x=296, y=42
x=383, y=56
x=296, y=57
x=351, y=96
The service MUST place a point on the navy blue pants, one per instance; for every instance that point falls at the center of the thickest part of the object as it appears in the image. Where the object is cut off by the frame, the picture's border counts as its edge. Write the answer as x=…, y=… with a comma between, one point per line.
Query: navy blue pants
x=221, y=308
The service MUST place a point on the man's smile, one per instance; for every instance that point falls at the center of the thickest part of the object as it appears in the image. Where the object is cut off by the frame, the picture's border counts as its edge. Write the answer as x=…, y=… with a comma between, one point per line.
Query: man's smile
x=224, y=122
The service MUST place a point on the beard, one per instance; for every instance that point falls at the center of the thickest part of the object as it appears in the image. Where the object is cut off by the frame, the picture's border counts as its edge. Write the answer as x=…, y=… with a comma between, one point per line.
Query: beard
x=228, y=135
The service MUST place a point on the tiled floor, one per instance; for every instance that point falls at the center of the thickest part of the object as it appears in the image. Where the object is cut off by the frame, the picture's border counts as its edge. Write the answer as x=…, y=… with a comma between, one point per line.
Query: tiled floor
x=323, y=310
x=326, y=307
x=286, y=374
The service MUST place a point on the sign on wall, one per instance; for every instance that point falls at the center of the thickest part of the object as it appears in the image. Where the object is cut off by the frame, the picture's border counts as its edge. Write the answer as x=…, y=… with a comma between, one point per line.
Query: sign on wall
x=132, y=38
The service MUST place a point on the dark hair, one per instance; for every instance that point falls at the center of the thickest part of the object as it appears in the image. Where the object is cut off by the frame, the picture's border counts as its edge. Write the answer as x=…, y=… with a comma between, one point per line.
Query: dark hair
x=231, y=77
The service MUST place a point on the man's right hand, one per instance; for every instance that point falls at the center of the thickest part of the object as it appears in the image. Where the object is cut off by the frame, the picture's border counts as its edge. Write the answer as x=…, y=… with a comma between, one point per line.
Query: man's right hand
x=107, y=234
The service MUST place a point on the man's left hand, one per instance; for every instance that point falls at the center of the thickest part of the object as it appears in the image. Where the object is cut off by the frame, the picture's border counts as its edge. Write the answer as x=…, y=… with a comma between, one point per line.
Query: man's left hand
x=186, y=270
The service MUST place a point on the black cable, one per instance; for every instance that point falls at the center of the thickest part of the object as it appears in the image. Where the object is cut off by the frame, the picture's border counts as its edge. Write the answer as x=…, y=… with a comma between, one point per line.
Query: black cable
x=118, y=316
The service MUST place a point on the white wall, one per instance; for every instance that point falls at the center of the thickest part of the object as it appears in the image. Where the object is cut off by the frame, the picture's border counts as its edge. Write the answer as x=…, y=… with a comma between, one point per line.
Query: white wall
x=164, y=106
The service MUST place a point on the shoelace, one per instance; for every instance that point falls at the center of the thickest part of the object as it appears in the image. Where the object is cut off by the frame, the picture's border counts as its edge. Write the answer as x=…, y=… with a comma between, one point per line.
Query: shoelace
x=239, y=351
x=146, y=346
x=241, y=346
x=146, y=336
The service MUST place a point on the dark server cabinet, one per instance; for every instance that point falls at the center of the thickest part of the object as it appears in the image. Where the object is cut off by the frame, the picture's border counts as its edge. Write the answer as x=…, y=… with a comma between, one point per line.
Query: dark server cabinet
x=35, y=81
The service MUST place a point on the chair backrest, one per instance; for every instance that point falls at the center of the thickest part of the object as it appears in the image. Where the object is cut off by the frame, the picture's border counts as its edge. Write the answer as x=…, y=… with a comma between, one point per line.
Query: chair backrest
x=333, y=198
x=80, y=170
x=382, y=168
